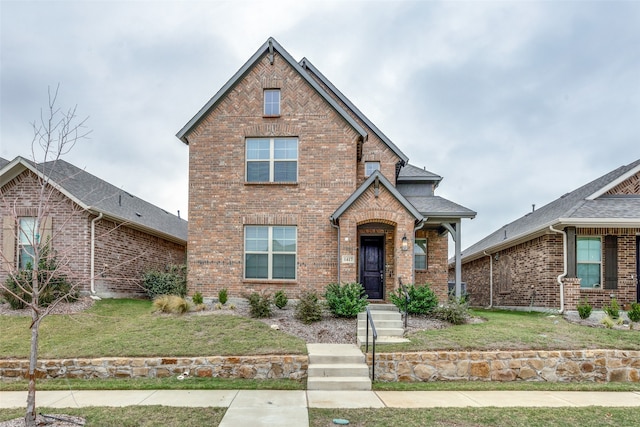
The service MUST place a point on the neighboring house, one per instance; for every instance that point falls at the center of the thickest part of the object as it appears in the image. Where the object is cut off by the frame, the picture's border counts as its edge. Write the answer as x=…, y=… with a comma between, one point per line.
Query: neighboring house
x=292, y=187
x=108, y=236
x=592, y=232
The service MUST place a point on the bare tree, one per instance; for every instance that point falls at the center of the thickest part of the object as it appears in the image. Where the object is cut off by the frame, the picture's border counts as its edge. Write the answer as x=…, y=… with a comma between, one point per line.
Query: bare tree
x=55, y=134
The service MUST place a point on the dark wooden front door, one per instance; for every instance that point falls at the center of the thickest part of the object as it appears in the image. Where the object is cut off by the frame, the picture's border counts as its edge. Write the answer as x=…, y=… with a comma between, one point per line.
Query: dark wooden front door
x=372, y=265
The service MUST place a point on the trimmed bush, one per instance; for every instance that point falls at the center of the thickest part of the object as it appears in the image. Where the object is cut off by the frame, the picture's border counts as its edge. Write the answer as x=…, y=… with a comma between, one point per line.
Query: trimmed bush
x=308, y=309
x=422, y=300
x=347, y=300
x=634, y=313
x=197, y=298
x=280, y=299
x=613, y=309
x=259, y=305
x=584, y=309
x=171, y=282
x=223, y=296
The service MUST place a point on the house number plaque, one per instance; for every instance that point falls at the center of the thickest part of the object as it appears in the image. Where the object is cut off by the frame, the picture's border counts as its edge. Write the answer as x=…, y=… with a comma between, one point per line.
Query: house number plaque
x=348, y=259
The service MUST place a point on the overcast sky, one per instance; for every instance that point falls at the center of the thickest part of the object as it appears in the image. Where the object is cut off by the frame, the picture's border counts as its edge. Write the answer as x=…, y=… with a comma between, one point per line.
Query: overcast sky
x=513, y=103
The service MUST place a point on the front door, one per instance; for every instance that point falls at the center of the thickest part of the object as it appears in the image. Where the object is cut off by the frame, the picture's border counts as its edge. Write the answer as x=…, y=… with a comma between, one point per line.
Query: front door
x=372, y=265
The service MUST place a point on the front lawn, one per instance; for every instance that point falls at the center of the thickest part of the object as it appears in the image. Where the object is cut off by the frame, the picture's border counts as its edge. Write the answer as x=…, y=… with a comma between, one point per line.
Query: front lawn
x=515, y=330
x=125, y=327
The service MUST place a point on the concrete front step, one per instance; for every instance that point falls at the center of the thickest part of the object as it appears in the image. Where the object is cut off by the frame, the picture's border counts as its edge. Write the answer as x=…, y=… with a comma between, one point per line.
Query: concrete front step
x=383, y=332
x=361, y=339
x=395, y=323
x=382, y=307
x=338, y=370
x=337, y=367
x=380, y=315
x=339, y=383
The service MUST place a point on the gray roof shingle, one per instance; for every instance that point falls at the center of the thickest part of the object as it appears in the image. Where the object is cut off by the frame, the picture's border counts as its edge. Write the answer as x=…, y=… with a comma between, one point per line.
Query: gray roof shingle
x=571, y=207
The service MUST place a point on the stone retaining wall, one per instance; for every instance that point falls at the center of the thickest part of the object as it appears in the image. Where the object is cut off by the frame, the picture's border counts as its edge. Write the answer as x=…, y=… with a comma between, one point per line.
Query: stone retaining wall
x=550, y=366
x=253, y=367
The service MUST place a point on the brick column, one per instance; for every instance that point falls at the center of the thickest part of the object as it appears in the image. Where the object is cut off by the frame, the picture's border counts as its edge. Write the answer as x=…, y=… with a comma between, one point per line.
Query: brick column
x=571, y=292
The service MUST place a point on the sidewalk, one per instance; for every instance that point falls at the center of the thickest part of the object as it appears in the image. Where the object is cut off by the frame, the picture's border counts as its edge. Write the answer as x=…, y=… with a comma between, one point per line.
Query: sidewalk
x=257, y=408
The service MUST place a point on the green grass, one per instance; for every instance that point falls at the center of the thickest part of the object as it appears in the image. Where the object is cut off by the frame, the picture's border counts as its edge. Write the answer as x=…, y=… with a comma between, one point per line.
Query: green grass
x=504, y=386
x=512, y=330
x=477, y=417
x=125, y=327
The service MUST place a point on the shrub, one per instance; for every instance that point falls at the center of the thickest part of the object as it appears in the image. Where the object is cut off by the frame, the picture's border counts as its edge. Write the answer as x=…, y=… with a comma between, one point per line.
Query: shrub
x=347, y=300
x=613, y=309
x=584, y=309
x=280, y=299
x=634, y=313
x=308, y=309
x=170, y=304
x=197, y=298
x=422, y=299
x=173, y=281
x=455, y=311
x=223, y=296
x=53, y=284
x=259, y=305
x=608, y=322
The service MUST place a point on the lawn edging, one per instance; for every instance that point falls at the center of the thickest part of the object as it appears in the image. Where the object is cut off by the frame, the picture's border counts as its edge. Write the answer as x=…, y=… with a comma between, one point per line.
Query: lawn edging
x=502, y=366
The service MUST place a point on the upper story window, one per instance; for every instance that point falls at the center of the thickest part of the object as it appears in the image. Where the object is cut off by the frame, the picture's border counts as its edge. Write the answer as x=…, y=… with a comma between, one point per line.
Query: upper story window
x=370, y=167
x=27, y=240
x=272, y=160
x=589, y=261
x=272, y=102
x=420, y=254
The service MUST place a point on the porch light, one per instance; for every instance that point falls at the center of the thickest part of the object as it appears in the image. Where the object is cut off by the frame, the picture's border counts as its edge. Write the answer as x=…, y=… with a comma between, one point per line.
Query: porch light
x=405, y=243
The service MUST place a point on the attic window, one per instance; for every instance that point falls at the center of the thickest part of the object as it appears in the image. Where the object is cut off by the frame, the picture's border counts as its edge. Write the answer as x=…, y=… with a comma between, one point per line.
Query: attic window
x=370, y=168
x=272, y=102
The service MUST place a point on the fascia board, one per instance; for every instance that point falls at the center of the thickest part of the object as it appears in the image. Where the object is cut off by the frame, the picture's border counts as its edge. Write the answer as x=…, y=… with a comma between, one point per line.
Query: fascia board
x=135, y=225
x=614, y=183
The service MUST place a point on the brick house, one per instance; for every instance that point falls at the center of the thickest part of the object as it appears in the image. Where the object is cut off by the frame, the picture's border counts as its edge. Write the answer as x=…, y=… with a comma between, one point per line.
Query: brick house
x=585, y=244
x=106, y=237
x=292, y=187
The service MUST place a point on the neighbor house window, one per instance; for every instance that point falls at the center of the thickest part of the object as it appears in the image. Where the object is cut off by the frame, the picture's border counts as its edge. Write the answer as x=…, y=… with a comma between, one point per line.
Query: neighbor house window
x=420, y=254
x=270, y=252
x=272, y=160
x=589, y=261
x=27, y=239
x=370, y=167
x=272, y=102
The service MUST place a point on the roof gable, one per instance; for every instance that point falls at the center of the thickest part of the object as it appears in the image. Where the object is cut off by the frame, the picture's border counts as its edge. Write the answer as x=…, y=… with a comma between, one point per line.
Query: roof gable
x=307, y=65
x=268, y=48
x=380, y=178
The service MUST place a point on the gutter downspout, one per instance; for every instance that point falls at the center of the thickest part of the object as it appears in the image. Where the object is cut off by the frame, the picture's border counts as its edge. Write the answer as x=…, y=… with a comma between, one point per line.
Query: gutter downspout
x=337, y=227
x=564, y=273
x=490, y=278
x=93, y=255
x=416, y=228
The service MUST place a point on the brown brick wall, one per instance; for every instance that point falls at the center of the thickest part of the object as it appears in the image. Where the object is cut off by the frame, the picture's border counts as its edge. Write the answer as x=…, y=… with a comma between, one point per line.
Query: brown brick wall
x=526, y=274
x=123, y=254
x=437, y=253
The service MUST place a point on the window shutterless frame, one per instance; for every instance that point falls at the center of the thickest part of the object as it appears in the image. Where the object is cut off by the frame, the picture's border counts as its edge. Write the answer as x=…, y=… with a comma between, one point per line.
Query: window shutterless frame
x=270, y=252
x=271, y=160
x=271, y=102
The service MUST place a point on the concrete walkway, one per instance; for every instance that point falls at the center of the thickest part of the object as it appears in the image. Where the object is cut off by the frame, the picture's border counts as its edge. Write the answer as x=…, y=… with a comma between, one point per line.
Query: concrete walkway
x=258, y=408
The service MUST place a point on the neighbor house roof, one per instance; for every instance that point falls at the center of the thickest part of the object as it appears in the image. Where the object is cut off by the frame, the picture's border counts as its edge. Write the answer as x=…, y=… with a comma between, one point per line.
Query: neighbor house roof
x=3, y=162
x=270, y=46
x=587, y=206
x=98, y=196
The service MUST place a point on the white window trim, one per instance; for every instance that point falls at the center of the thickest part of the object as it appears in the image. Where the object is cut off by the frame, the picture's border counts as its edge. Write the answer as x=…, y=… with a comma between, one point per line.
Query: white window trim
x=269, y=254
x=272, y=160
x=367, y=162
x=264, y=104
x=32, y=240
x=426, y=255
x=601, y=283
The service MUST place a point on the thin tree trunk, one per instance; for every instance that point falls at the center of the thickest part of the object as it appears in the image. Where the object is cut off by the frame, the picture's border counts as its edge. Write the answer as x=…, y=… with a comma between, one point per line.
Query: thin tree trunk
x=30, y=415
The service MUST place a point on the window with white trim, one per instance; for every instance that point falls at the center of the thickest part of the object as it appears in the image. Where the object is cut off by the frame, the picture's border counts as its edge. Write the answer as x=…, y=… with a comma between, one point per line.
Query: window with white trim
x=420, y=254
x=270, y=252
x=589, y=261
x=272, y=159
x=370, y=168
x=27, y=240
x=272, y=102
